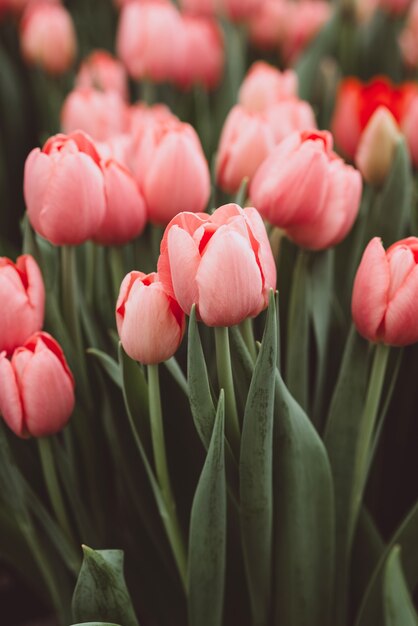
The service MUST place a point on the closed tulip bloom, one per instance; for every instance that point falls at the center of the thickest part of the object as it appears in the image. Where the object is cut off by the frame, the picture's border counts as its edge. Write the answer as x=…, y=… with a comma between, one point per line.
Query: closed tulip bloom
x=100, y=114
x=408, y=39
x=303, y=22
x=409, y=126
x=246, y=140
x=150, y=322
x=395, y=7
x=238, y=10
x=222, y=263
x=267, y=26
x=306, y=189
x=377, y=147
x=125, y=216
x=385, y=294
x=64, y=189
x=36, y=388
x=148, y=38
x=264, y=85
x=100, y=70
x=172, y=171
x=47, y=37
x=22, y=293
x=289, y=115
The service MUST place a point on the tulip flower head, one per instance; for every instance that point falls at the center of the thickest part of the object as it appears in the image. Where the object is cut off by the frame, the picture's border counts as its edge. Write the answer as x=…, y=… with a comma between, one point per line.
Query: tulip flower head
x=385, y=294
x=264, y=85
x=222, y=263
x=100, y=70
x=150, y=322
x=36, y=388
x=22, y=292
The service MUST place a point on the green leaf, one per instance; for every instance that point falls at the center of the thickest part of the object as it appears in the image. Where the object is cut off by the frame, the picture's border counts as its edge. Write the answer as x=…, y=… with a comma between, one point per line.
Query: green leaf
x=304, y=518
x=207, y=540
x=398, y=605
x=340, y=439
x=406, y=536
x=256, y=473
x=109, y=365
x=101, y=591
x=200, y=397
x=135, y=390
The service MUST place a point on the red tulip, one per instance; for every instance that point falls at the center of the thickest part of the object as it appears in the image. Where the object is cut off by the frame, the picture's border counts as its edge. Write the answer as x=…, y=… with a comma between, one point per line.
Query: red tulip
x=36, y=388
x=22, y=293
x=222, y=263
x=150, y=322
x=385, y=294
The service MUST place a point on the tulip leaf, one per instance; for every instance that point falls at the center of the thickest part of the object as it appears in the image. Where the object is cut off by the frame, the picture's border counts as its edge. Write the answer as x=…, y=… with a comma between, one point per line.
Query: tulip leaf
x=304, y=518
x=200, y=397
x=398, y=605
x=109, y=365
x=256, y=473
x=207, y=540
x=406, y=536
x=101, y=591
x=135, y=389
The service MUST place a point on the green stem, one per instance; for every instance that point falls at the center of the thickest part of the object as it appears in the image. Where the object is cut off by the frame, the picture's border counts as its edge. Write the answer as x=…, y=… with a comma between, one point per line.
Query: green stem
x=247, y=332
x=70, y=295
x=52, y=484
x=116, y=268
x=365, y=435
x=161, y=467
x=226, y=382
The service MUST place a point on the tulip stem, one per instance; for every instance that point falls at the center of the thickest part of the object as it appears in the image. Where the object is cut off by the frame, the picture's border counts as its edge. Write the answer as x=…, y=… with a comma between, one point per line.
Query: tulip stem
x=70, y=298
x=226, y=382
x=117, y=269
x=52, y=484
x=247, y=332
x=366, y=430
x=160, y=459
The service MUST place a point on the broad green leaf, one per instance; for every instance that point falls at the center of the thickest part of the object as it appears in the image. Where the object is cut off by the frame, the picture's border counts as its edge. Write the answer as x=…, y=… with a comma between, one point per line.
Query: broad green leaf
x=340, y=439
x=201, y=402
x=101, y=591
x=109, y=365
x=256, y=473
x=207, y=540
x=304, y=518
x=398, y=606
x=407, y=537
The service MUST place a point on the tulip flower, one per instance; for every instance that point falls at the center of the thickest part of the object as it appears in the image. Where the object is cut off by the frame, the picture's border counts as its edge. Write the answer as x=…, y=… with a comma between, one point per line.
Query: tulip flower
x=150, y=322
x=47, y=37
x=36, y=388
x=125, y=214
x=100, y=114
x=395, y=7
x=385, y=294
x=100, y=70
x=64, y=189
x=304, y=188
x=222, y=263
x=267, y=26
x=264, y=85
x=303, y=21
x=22, y=293
x=408, y=39
x=289, y=115
x=246, y=140
x=171, y=170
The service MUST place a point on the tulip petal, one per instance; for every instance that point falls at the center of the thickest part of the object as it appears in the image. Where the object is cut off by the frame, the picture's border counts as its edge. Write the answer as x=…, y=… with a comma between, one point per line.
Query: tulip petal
x=264, y=253
x=229, y=280
x=401, y=320
x=370, y=291
x=10, y=403
x=184, y=261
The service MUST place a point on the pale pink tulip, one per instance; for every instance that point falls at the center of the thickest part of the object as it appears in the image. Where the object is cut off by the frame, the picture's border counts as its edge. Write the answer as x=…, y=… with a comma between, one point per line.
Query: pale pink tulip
x=289, y=115
x=303, y=22
x=100, y=70
x=267, y=26
x=264, y=85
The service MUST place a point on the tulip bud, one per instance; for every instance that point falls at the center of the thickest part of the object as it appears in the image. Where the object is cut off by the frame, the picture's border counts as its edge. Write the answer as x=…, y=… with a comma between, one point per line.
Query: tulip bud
x=47, y=37
x=100, y=70
x=377, y=147
x=64, y=189
x=264, y=85
x=36, y=388
x=222, y=263
x=150, y=322
x=23, y=295
x=384, y=303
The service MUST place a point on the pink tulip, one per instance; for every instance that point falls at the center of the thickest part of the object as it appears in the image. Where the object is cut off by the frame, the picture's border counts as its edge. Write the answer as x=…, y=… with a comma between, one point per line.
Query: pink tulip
x=289, y=115
x=396, y=7
x=118, y=148
x=201, y=59
x=148, y=39
x=205, y=8
x=100, y=114
x=64, y=189
x=264, y=85
x=47, y=37
x=246, y=140
x=172, y=170
x=306, y=189
x=221, y=262
x=409, y=127
x=384, y=302
x=303, y=22
x=100, y=70
x=23, y=295
x=36, y=388
x=238, y=10
x=267, y=26
x=125, y=214
x=150, y=322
